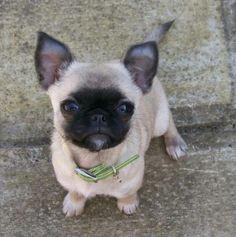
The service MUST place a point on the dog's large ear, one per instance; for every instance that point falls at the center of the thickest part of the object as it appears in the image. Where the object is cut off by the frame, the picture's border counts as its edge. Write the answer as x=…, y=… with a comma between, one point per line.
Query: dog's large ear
x=141, y=61
x=50, y=56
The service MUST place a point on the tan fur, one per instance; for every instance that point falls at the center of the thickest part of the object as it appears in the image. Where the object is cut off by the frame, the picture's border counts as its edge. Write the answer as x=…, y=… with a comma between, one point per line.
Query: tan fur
x=151, y=118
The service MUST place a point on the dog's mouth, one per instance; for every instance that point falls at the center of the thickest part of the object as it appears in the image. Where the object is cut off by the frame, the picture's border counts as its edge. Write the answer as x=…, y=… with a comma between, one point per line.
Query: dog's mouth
x=97, y=142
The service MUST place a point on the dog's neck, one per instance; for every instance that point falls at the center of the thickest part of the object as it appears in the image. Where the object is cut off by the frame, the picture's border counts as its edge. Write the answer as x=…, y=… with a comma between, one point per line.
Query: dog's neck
x=86, y=159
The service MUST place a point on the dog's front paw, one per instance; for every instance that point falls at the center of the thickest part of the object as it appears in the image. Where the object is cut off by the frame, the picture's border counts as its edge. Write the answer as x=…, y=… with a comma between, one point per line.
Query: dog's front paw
x=175, y=147
x=128, y=204
x=73, y=204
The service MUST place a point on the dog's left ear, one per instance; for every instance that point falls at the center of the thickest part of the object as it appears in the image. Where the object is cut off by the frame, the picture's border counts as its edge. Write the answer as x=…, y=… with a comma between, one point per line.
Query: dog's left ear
x=50, y=56
x=141, y=61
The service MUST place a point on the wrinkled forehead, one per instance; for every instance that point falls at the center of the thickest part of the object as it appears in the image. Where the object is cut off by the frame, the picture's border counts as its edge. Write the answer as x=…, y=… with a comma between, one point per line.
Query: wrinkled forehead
x=105, y=77
x=101, y=97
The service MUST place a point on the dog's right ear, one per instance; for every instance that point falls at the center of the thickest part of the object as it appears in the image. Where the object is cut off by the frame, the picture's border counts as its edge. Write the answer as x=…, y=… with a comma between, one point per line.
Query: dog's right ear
x=50, y=56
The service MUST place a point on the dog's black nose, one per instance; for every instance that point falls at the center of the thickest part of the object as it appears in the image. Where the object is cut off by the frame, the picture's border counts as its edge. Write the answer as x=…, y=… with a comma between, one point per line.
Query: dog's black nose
x=98, y=119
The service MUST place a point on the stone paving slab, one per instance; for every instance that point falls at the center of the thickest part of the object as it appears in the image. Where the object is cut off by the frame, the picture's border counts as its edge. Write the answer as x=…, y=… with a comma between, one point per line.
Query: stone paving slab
x=194, y=62
x=194, y=197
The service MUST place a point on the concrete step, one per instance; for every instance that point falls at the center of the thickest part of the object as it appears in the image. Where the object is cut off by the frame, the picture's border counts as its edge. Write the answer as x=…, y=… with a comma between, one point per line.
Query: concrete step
x=197, y=61
x=192, y=197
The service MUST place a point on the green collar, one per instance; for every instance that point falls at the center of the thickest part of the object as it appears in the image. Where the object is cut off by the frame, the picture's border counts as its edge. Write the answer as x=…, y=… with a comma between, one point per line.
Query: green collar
x=101, y=171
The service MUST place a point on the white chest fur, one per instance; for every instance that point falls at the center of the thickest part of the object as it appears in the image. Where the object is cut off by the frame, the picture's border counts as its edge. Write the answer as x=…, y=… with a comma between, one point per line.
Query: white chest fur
x=128, y=179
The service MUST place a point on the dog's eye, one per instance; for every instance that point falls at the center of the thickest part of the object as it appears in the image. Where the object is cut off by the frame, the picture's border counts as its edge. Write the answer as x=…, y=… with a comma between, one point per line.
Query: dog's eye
x=122, y=108
x=125, y=108
x=70, y=106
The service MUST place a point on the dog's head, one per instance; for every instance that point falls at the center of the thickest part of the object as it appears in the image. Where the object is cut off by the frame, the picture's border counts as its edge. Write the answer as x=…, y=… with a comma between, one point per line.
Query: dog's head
x=94, y=104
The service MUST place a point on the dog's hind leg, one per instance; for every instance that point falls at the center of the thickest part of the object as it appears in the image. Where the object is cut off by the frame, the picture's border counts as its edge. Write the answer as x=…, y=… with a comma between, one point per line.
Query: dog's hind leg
x=175, y=145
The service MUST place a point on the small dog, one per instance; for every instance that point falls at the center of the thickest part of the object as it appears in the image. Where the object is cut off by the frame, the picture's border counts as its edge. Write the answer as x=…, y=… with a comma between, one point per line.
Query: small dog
x=104, y=114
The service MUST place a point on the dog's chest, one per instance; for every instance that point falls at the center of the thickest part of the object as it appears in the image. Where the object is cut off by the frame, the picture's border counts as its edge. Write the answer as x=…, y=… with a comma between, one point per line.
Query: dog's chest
x=117, y=186
x=112, y=186
x=128, y=178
